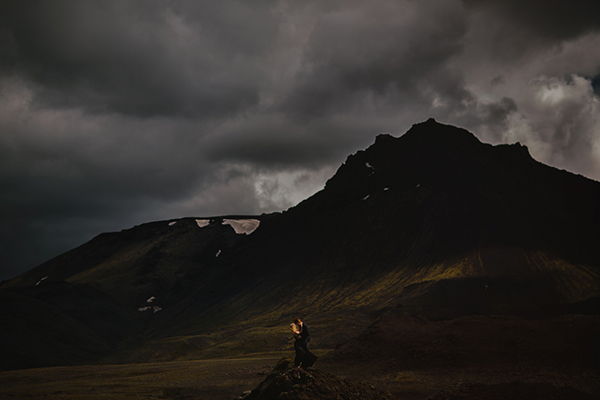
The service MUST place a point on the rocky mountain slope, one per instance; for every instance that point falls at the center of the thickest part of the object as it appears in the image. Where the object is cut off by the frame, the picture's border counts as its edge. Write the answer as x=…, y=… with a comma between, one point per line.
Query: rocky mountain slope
x=434, y=221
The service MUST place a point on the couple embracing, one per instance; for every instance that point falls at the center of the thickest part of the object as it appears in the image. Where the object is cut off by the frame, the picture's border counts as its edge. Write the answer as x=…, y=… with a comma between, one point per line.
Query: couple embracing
x=304, y=357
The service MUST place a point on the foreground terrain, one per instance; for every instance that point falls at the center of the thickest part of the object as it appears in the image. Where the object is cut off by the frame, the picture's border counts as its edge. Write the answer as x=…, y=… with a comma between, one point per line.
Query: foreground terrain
x=207, y=379
x=410, y=357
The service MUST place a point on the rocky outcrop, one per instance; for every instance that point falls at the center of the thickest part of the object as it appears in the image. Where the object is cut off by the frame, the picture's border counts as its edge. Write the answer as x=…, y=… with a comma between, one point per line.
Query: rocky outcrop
x=290, y=383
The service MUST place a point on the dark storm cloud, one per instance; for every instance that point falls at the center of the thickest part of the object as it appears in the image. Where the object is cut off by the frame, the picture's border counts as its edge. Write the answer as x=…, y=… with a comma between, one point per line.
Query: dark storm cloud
x=397, y=54
x=115, y=113
x=278, y=142
x=386, y=53
x=596, y=85
x=552, y=19
x=191, y=59
x=515, y=31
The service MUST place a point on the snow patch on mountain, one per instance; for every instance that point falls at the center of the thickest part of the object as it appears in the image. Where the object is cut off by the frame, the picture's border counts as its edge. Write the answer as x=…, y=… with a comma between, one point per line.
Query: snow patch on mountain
x=246, y=226
x=40, y=281
x=203, y=222
x=371, y=168
x=172, y=223
x=154, y=308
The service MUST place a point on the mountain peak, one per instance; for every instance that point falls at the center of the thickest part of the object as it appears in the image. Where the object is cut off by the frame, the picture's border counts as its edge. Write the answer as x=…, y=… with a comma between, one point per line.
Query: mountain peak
x=432, y=132
x=428, y=152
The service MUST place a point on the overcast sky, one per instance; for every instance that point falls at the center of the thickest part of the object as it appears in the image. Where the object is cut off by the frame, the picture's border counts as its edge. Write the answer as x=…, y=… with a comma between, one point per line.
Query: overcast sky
x=116, y=113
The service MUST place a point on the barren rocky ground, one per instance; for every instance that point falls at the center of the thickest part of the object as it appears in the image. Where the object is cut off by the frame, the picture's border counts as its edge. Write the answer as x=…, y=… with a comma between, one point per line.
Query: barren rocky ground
x=472, y=357
x=209, y=379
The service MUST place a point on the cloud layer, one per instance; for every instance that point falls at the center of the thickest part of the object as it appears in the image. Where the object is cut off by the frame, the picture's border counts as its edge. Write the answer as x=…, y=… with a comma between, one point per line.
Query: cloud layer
x=115, y=113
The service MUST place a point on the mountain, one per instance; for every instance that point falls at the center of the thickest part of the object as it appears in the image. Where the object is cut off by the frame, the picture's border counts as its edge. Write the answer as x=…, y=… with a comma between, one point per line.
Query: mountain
x=434, y=221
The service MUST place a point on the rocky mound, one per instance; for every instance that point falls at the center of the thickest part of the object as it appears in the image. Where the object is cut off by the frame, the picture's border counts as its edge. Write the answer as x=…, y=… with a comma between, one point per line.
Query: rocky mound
x=288, y=382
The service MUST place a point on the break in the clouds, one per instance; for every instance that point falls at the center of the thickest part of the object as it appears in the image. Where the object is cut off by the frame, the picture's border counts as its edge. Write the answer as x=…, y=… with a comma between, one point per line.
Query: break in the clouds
x=114, y=113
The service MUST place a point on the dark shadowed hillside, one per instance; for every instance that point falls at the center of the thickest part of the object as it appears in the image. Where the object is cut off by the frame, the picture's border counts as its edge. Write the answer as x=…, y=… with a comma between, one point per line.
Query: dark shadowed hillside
x=434, y=221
